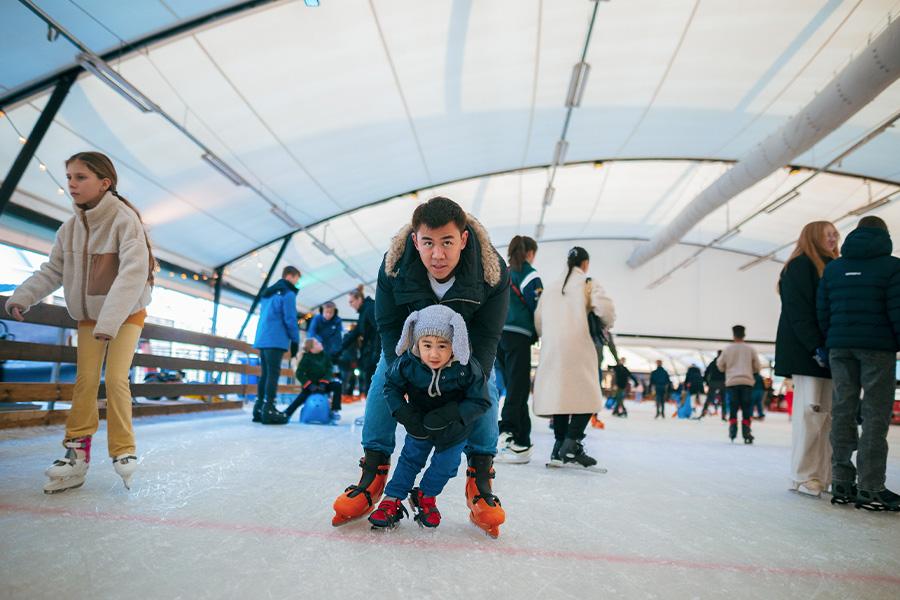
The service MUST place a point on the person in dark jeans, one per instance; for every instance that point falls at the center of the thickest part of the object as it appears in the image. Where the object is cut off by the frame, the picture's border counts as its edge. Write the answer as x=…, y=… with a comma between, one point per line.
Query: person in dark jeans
x=366, y=335
x=740, y=362
x=715, y=381
x=514, y=352
x=858, y=309
x=622, y=375
x=661, y=383
x=276, y=333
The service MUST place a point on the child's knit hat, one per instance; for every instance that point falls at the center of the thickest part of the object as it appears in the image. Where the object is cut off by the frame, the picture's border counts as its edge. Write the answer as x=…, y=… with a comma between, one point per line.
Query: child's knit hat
x=435, y=320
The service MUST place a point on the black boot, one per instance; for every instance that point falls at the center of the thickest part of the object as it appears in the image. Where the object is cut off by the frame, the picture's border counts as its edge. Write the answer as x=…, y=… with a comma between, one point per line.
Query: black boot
x=732, y=429
x=554, y=455
x=257, y=410
x=272, y=416
x=572, y=453
x=745, y=431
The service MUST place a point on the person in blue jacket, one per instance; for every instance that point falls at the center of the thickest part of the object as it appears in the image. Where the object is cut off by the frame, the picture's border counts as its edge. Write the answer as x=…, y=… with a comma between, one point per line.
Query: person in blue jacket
x=328, y=327
x=858, y=309
x=276, y=333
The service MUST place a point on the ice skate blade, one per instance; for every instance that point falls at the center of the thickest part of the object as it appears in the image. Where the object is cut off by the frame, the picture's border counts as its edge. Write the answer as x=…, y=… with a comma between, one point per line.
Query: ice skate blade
x=492, y=531
x=338, y=520
x=50, y=489
x=808, y=495
x=575, y=466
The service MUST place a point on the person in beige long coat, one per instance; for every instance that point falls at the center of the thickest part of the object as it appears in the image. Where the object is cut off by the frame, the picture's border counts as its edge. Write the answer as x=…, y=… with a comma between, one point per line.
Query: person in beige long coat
x=567, y=383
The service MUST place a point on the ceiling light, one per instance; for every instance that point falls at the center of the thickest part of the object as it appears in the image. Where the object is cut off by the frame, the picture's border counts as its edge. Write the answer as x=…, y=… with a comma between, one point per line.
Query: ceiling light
x=871, y=206
x=781, y=201
x=311, y=3
x=598, y=164
x=548, y=195
x=577, y=84
x=285, y=217
x=219, y=165
x=559, y=154
x=322, y=247
x=107, y=75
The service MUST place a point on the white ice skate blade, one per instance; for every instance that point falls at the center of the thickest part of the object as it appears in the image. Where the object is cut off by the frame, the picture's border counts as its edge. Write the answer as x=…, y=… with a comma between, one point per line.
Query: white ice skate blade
x=508, y=459
x=61, y=485
x=575, y=466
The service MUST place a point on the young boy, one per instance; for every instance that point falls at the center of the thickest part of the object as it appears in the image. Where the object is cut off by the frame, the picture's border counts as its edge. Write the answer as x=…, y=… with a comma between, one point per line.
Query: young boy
x=315, y=372
x=445, y=393
x=739, y=362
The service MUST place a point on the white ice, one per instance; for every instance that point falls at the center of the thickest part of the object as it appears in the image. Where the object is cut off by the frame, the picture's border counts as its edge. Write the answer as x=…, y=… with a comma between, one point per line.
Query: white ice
x=223, y=508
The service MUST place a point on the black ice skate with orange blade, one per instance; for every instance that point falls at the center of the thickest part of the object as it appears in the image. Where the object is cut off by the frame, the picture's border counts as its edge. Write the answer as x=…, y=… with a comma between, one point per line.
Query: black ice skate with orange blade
x=358, y=500
x=485, y=509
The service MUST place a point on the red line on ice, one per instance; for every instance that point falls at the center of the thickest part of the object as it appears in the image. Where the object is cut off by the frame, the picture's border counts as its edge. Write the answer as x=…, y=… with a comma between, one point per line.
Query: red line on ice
x=495, y=548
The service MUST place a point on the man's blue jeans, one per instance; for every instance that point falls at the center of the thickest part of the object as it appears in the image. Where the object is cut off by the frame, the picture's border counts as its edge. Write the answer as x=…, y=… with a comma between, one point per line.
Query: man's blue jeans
x=380, y=427
x=444, y=466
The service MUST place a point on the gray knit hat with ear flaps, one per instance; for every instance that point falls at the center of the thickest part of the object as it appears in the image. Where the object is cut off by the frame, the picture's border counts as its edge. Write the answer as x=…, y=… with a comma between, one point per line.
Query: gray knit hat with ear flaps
x=435, y=320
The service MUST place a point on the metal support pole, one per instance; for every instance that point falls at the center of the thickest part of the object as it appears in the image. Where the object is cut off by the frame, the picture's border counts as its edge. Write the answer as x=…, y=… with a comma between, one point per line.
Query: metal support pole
x=34, y=140
x=217, y=296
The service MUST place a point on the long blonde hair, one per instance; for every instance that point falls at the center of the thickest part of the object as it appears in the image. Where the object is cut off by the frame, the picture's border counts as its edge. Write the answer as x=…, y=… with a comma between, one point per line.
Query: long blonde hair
x=102, y=167
x=811, y=244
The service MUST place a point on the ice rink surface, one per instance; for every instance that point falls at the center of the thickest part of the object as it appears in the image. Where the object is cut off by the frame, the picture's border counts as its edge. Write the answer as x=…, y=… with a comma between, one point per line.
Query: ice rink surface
x=223, y=508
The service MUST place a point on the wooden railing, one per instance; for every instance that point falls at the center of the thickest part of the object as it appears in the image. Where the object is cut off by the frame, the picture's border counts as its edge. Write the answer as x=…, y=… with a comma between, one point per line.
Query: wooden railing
x=57, y=316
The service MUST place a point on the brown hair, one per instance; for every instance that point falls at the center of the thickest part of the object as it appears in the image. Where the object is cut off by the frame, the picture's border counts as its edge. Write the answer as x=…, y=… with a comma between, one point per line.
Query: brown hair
x=519, y=247
x=289, y=271
x=308, y=344
x=574, y=258
x=102, y=167
x=359, y=292
x=810, y=244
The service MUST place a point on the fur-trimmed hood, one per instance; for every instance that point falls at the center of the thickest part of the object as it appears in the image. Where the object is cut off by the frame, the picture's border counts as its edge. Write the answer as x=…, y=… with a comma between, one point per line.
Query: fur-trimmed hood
x=479, y=241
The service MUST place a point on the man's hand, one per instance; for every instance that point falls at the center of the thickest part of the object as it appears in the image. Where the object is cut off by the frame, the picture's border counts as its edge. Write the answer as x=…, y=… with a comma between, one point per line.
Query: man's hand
x=443, y=417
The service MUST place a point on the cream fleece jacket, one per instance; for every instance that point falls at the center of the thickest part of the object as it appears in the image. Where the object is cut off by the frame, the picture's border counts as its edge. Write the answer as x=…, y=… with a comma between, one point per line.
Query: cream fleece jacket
x=739, y=361
x=100, y=258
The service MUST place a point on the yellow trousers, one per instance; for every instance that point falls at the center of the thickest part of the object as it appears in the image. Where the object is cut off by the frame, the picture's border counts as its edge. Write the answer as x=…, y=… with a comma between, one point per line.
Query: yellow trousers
x=84, y=418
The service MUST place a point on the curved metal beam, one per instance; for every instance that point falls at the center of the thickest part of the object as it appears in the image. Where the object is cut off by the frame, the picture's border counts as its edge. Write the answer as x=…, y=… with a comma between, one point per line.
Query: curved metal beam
x=350, y=211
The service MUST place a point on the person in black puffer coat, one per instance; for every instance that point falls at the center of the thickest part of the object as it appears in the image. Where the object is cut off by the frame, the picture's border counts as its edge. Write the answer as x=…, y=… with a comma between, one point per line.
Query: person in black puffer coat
x=858, y=308
x=367, y=331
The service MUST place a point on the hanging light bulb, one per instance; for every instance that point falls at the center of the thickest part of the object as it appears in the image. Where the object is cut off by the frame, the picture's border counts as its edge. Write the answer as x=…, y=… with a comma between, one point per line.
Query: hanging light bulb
x=22, y=140
x=60, y=191
x=42, y=167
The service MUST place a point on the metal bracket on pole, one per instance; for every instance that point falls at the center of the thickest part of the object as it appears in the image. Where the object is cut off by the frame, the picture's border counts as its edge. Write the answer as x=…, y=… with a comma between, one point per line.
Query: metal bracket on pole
x=34, y=140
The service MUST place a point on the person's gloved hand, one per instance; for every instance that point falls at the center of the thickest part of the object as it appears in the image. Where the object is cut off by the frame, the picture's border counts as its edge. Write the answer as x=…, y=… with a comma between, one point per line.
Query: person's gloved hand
x=443, y=417
x=443, y=437
x=821, y=357
x=411, y=419
x=295, y=348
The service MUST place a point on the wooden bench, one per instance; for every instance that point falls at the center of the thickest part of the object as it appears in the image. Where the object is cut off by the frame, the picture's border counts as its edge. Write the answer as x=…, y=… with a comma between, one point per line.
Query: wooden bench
x=210, y=394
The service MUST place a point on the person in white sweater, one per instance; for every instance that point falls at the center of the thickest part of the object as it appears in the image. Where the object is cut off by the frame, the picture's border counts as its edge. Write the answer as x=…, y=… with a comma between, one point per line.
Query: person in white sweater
x=739, y=361
x=103, y=260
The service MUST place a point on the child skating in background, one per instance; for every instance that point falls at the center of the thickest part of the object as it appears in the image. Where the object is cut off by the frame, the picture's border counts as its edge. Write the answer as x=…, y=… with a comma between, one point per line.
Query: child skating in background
x=445, y=393
x=315, y=373
x=102, y=259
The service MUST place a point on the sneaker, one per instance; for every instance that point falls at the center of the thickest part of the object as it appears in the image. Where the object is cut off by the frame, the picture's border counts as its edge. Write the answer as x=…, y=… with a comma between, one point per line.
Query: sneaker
x=554, y=455
x=503, y=440
x=514, y=454
x=813, y=487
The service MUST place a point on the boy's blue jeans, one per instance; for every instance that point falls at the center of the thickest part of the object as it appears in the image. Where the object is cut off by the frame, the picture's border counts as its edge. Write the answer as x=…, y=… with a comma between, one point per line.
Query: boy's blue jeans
x=444, y=466
x=379, y=428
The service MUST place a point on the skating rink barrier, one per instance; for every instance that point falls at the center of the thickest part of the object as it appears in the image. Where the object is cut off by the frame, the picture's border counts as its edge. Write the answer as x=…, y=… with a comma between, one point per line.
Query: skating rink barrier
x=204, y=396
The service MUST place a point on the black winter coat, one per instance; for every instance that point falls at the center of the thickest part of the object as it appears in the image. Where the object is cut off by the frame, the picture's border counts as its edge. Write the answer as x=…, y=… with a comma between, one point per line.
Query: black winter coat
x=464, y=384
x=660, y=376
x=713, y=375
x=858, y=302
x=694, y=380
x=366, y=329
x=480, y=293
x=798, y=330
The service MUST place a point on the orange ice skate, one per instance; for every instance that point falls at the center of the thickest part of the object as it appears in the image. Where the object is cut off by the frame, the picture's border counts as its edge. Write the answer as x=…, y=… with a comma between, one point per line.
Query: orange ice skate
x=485, y=509
x=358, y=500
